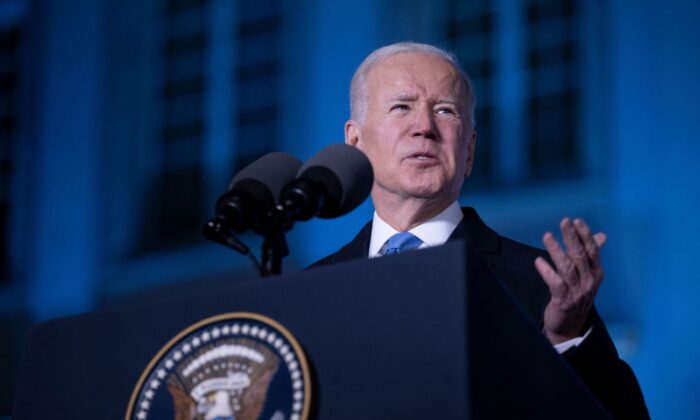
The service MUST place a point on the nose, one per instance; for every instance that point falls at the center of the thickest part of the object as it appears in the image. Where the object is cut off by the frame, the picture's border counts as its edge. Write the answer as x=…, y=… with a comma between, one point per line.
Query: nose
x=424, y=124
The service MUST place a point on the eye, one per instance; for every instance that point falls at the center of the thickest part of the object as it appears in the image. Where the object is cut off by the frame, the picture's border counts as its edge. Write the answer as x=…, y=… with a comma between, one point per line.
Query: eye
x=399, y=107
x=445, y=110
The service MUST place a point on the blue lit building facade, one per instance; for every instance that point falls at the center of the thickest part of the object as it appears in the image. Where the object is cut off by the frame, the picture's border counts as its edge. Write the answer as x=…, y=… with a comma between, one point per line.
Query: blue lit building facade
x=122, y=122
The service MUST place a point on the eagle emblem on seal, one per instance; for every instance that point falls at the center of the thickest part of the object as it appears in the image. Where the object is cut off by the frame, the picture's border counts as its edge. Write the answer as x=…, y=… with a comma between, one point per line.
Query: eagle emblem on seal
x=239, y=366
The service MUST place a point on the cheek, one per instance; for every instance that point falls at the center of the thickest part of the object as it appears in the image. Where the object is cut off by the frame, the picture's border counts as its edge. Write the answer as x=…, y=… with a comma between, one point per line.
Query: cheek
x=457, y=157
x=369, y=146
x=382, y=143
x=375, y=144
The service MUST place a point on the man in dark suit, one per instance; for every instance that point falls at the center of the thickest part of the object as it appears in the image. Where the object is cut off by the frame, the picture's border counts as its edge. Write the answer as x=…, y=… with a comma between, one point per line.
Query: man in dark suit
x=412, y=114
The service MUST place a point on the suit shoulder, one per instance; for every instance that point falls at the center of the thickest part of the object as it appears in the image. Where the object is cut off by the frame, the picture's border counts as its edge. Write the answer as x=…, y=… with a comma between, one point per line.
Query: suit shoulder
x=357, y=248
x=330, y=259
x=515, y=266
x=511, y=246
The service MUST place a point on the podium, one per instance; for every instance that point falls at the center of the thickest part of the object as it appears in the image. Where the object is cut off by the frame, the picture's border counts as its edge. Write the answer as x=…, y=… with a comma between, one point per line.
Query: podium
x=429, y=334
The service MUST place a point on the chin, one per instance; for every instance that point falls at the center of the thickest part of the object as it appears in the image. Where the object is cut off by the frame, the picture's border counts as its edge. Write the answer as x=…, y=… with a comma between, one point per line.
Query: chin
x=425, y=185
x=426, y=190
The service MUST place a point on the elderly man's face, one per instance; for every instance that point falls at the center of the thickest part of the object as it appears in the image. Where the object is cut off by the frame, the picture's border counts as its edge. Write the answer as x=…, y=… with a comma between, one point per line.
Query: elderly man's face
x=418, y=133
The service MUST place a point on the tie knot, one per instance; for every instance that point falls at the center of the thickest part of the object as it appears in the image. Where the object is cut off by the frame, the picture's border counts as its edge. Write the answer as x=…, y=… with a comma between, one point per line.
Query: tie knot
x=402, y=241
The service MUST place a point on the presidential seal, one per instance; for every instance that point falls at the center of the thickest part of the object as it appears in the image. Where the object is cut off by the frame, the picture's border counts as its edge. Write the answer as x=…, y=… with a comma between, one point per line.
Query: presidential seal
x=238, y=366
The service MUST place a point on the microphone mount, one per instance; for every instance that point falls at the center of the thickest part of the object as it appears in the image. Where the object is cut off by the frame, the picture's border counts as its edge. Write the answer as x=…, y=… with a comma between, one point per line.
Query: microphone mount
x=276, y=191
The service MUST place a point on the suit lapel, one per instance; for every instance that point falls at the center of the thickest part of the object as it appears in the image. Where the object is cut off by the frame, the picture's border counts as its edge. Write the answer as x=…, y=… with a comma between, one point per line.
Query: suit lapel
x=475, y=232
x=471, y=229
x=357, y=248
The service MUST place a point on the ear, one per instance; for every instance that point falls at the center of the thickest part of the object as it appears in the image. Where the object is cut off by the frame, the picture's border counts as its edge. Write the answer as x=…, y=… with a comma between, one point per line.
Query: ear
x=352, y=133
x=470, y=154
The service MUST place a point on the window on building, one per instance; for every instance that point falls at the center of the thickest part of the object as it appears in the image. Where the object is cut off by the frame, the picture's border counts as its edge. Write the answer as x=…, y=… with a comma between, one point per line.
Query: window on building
x=174, y=208
x=552, y=111
x=10, y=43
x=523, y=57
x=181, y=199
x=470, y=36
x=258, y=75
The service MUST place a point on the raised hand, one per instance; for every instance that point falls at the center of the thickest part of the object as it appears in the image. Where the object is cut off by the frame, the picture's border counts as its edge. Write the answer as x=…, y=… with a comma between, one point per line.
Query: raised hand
x=574, y=283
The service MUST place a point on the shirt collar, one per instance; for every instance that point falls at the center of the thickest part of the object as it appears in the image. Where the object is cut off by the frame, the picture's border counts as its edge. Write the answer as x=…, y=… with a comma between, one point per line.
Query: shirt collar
x=434, y=232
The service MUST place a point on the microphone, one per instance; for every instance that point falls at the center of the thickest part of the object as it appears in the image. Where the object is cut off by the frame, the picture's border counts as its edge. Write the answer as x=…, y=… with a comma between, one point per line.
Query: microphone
x=330, y=184
x=252, y=194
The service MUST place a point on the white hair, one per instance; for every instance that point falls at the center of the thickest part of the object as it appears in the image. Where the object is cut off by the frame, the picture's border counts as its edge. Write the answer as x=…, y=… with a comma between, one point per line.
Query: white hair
x=358, y=85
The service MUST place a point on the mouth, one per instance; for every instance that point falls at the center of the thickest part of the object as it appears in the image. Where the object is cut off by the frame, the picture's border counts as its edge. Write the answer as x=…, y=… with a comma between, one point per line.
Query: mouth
x=422, y=157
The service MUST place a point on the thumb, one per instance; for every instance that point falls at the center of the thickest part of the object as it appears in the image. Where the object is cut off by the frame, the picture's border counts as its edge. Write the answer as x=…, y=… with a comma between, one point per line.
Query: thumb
x=600, y=239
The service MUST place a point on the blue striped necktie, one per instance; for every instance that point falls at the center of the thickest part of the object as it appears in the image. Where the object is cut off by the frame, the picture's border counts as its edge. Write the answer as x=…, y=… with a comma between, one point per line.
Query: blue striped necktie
x=400, y=242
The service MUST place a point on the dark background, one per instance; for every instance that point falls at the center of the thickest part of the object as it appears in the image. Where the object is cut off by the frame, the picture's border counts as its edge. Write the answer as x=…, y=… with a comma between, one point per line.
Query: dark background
x=121, y=122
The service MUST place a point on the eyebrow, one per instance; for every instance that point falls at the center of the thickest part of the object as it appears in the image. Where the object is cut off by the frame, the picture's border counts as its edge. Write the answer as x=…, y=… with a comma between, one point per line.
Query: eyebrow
x=408, y=97
x=450, y=101
x=403, y=97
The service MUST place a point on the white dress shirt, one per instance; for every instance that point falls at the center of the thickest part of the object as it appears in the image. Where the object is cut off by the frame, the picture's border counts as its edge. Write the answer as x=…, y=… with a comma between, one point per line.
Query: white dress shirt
x=435, y=232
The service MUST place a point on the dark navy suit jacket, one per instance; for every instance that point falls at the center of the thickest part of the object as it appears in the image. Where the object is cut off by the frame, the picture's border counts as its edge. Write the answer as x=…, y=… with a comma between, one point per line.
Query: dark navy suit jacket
x=596, y=360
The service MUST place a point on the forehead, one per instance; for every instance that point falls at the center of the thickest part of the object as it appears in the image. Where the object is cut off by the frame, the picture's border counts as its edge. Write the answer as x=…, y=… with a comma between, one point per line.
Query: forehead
x=415, y=73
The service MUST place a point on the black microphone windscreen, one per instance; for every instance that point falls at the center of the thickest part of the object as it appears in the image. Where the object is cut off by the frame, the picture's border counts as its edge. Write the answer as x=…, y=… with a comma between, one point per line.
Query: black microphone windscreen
x=346, y=175
x=265, y=178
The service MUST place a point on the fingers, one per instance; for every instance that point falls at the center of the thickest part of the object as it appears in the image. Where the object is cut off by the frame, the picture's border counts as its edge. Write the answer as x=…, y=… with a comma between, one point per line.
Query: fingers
x=576, y=248
x=600, y=239
x=584, y=234
x=592, y=244
x=565, y=266
x=573, y=279
x=557, y=287
x=581, y=261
